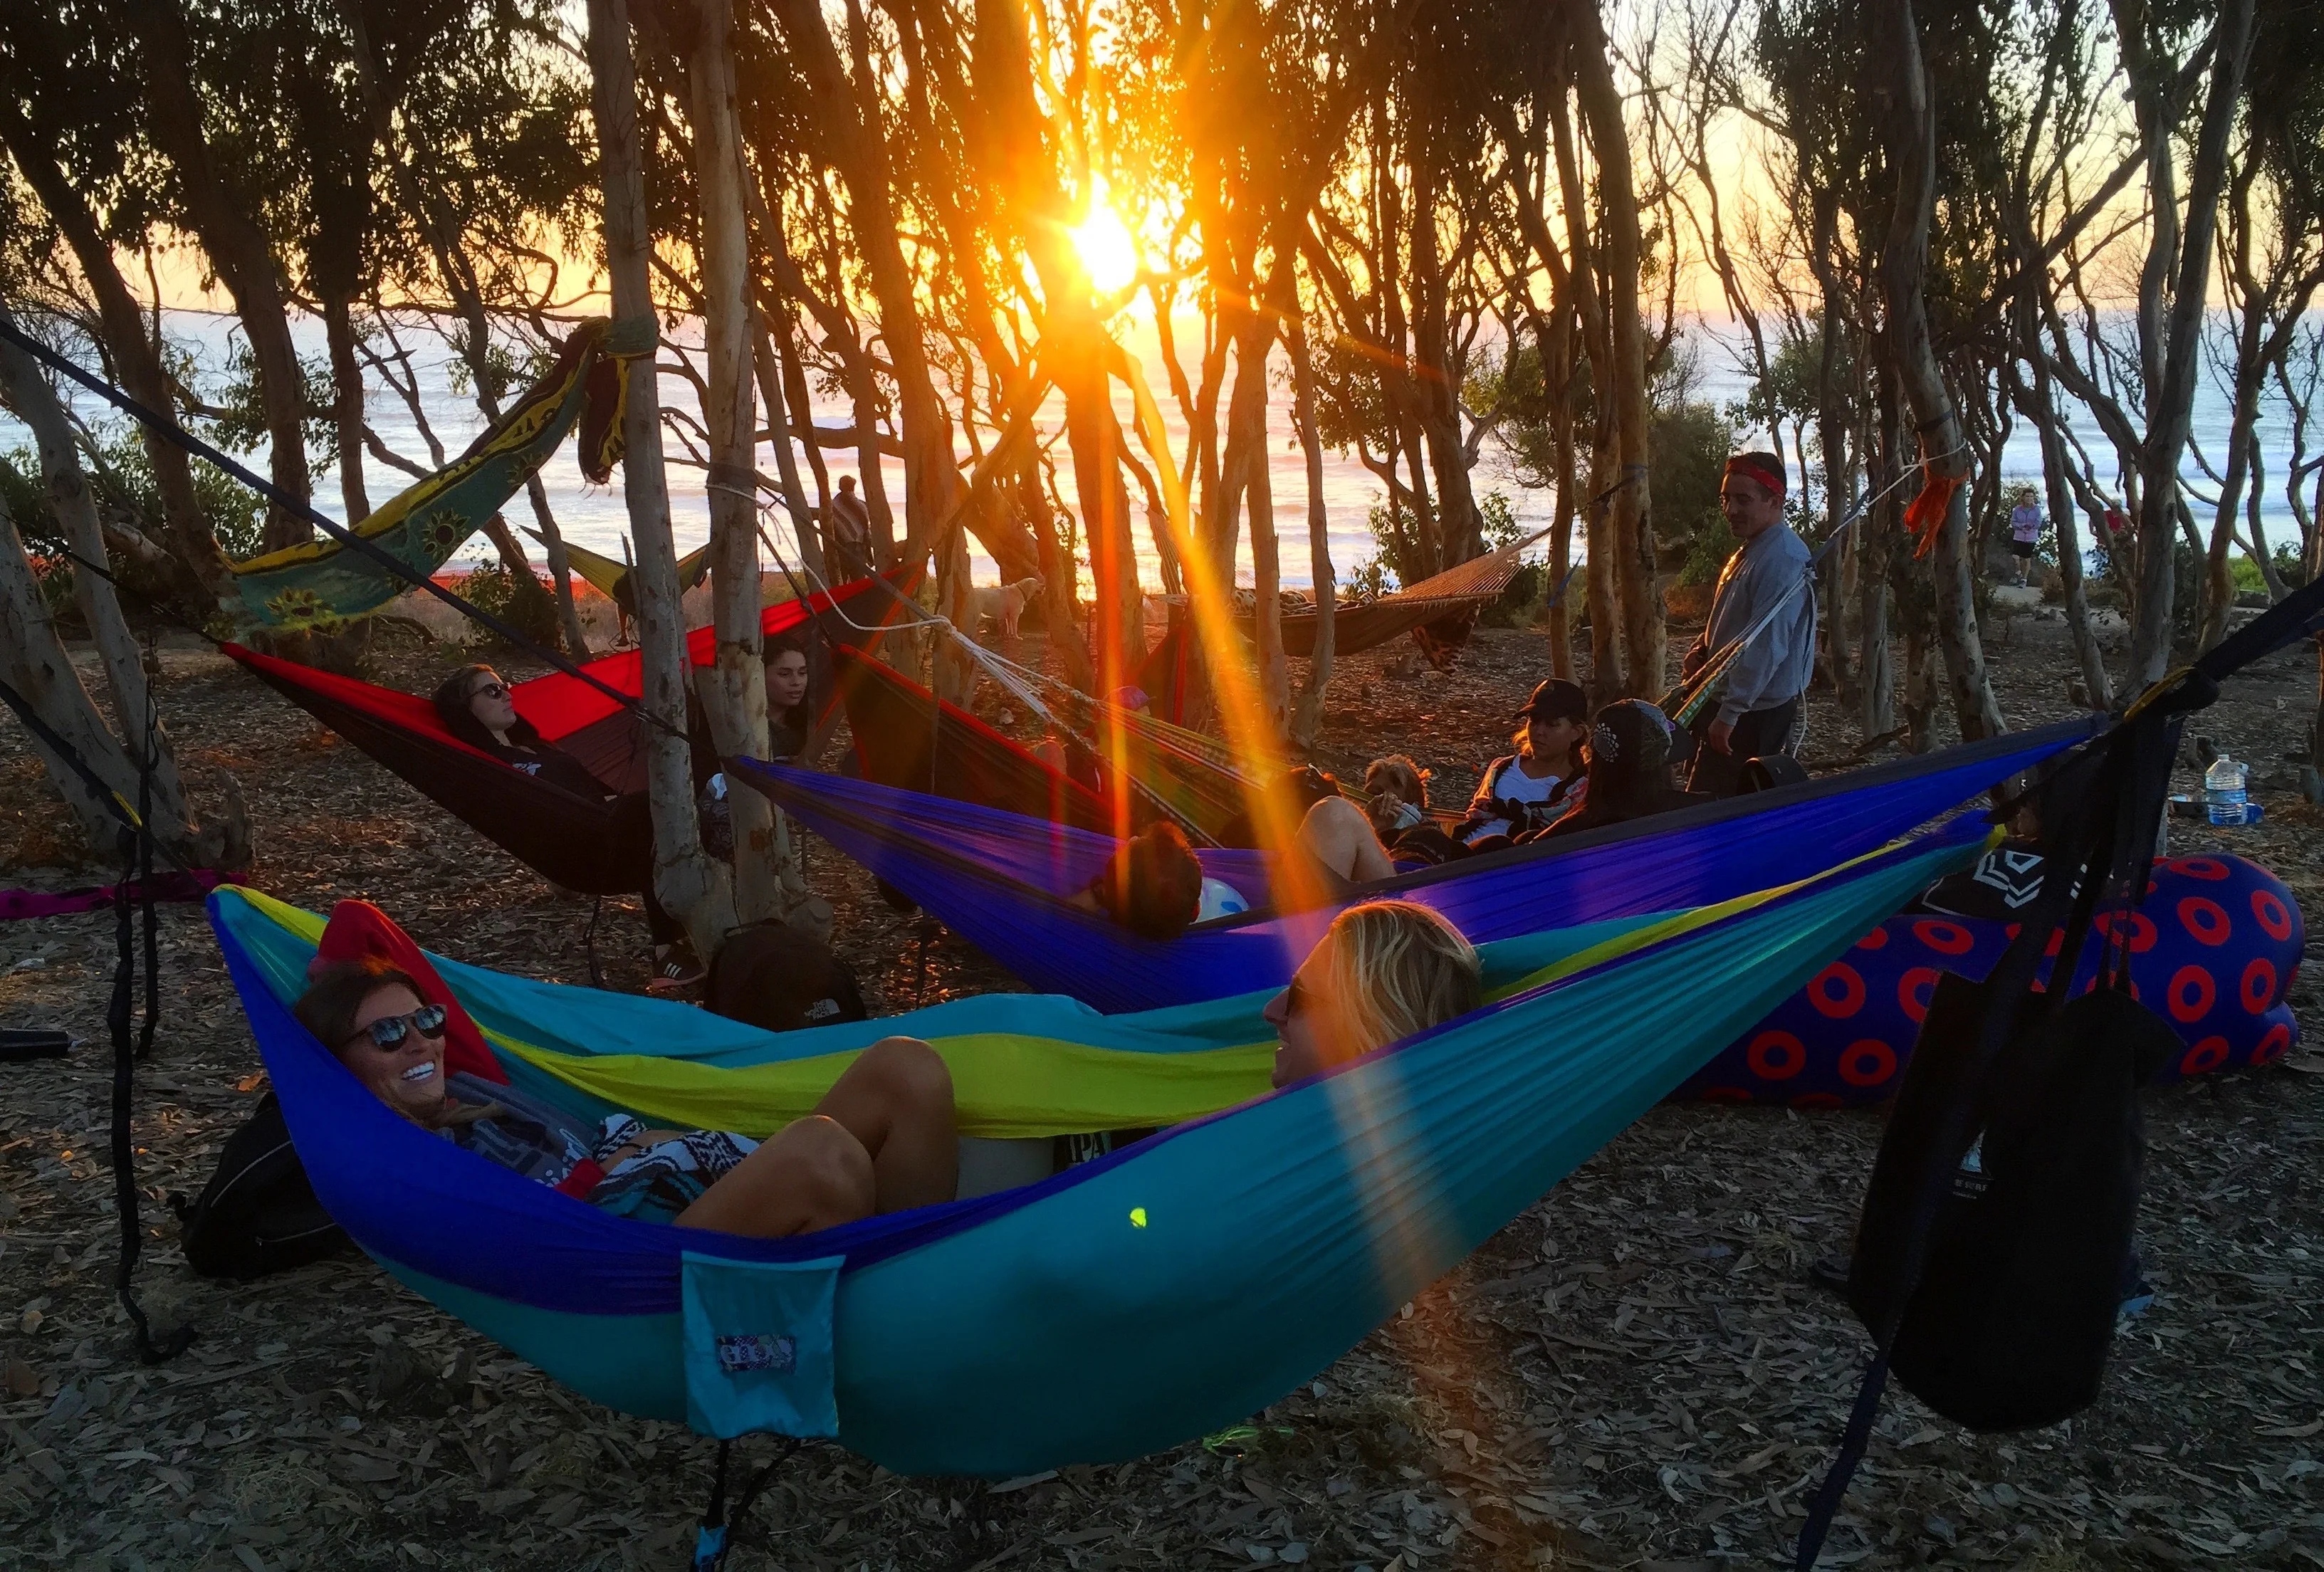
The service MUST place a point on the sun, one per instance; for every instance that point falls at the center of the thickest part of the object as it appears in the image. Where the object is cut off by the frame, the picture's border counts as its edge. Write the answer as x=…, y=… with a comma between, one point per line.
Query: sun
x=1108, y=251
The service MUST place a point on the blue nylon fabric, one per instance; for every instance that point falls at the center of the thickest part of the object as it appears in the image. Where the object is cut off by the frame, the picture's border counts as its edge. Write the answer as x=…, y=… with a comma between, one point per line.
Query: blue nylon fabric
x=1175, y=1287
x=997, y=878
x=424, y=1203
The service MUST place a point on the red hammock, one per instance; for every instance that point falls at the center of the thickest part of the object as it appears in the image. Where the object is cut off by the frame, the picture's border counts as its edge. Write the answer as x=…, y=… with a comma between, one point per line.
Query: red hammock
x=595, y=845
x=908, y=738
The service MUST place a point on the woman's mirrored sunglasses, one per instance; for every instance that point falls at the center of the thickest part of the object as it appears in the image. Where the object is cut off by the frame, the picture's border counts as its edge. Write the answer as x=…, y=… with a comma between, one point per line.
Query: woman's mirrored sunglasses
x=388, y=1032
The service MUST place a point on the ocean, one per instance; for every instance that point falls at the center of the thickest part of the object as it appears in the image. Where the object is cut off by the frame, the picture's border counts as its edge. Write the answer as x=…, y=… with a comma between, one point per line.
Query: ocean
x=597, y=518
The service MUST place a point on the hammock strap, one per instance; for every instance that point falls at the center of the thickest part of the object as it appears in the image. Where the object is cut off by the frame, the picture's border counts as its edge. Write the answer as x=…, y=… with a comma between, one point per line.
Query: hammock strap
x=169, y=430
x=714, y=1537
x=137, y=856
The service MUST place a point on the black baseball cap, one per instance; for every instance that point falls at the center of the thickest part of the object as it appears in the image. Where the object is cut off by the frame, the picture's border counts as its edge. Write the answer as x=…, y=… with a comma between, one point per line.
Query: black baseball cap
x=1556, y=699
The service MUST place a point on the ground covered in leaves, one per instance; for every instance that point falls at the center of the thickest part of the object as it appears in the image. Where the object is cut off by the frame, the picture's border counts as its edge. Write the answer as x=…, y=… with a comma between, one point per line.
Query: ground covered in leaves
x=1636, y=1373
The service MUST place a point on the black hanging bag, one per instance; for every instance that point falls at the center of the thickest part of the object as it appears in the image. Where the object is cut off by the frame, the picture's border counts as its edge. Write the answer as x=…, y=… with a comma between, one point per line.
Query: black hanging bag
x=2009, y=1326
x=258, y=1214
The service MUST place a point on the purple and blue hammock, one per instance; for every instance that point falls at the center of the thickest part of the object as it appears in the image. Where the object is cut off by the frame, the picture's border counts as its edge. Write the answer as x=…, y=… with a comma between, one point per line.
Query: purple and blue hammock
x=1004, y=881
x=1123, y=1306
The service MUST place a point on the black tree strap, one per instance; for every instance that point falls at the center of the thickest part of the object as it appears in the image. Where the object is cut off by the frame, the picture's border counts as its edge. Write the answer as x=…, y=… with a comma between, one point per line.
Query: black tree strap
x=714, y=1537
x=137, y=850
x=171, y=431
x=137, y=847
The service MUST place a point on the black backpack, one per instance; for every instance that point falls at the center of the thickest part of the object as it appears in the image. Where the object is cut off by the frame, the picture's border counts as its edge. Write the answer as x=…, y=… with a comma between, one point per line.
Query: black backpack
x=258, y=1214
x=2010, y=1323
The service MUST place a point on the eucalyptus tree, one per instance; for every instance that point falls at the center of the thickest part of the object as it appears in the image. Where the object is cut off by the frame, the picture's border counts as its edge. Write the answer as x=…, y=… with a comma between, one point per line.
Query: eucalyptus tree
x=76, y=142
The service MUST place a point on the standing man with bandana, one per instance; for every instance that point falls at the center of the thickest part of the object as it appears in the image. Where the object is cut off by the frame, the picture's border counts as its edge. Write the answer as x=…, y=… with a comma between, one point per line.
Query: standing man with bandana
x=1759, y=702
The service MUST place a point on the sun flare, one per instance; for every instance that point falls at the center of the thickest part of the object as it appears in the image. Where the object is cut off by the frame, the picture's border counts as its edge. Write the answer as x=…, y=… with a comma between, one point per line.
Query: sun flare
x=1108, y=251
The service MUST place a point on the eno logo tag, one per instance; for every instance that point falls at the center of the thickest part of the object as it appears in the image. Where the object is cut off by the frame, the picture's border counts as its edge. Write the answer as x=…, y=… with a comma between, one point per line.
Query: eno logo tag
x=757, y=1351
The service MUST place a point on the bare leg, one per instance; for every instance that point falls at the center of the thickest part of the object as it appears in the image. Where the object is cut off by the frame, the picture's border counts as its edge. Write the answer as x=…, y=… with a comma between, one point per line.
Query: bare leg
x=1336, y=834
x=896, y=1100
x=809, y=1175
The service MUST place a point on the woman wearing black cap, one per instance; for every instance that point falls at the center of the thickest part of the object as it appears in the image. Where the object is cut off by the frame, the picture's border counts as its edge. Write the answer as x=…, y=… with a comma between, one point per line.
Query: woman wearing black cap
x=1531, y=788
x=1629, y=759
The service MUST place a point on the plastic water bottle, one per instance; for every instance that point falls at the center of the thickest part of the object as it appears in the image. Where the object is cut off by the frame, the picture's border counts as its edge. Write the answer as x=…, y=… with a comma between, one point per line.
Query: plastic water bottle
x=2224, y=797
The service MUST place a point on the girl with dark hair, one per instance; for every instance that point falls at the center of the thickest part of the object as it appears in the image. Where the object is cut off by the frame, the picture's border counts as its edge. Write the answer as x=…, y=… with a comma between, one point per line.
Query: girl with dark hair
x=790, y=718
x=1628, y=753
x=477, y=707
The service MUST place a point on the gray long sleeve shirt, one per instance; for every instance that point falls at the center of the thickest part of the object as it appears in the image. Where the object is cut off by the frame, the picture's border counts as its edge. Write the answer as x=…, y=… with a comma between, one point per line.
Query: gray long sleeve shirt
x=1775, y=667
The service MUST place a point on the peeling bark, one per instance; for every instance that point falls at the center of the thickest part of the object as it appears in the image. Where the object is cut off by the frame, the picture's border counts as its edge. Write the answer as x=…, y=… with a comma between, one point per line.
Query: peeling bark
x=688, y=884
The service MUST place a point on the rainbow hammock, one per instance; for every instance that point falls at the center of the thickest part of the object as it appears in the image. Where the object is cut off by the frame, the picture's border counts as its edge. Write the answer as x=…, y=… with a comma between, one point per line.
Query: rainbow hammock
x=1003, y=881
x=1127, y=1305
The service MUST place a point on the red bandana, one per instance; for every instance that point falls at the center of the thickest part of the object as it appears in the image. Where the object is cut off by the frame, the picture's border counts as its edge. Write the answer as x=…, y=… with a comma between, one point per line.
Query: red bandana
x=1752, y=468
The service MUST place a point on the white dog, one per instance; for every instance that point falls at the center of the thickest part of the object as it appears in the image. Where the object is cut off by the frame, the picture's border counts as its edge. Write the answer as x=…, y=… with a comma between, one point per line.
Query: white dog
x=1007, y=603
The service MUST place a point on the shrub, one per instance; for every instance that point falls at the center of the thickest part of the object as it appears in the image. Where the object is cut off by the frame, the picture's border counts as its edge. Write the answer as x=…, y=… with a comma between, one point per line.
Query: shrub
x=494, y=589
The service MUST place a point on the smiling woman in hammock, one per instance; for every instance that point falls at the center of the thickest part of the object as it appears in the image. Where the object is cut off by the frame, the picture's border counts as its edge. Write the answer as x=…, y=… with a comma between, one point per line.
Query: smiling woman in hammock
x=880, y=1140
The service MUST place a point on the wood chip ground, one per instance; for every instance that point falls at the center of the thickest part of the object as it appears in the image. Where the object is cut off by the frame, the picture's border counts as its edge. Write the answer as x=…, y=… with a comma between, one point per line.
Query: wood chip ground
x=1635, y=1373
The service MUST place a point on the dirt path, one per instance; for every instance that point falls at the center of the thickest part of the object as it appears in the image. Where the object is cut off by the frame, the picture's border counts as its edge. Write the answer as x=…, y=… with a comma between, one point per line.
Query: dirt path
x=1634, y=1373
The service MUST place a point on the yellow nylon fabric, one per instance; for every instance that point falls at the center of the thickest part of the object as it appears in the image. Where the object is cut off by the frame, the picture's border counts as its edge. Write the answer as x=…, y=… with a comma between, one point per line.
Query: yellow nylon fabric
x=519, y=429
x=1004, y=1086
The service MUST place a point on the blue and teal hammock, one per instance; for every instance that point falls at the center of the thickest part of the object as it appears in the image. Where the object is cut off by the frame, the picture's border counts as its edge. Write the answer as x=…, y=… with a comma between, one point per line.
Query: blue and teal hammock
x=1004, y=881
x=1125, y=1306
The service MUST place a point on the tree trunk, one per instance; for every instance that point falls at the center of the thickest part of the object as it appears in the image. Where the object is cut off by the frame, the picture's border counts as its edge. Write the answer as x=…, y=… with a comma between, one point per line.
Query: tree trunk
x=34, y=661
x=1877, y=534
x=848, y=120
x=1307, y=718
x=35, y=404
x=1247, y=431
x=767, y=364
x=766, y=879
x=1645, y=636
x=528, y=602
x=1905, y=341
x=347, y=409
x=687, y=883
x=134, y=358
x=2171, y=343
x=237, y=248
x=2043, y=412
x=1608, y=678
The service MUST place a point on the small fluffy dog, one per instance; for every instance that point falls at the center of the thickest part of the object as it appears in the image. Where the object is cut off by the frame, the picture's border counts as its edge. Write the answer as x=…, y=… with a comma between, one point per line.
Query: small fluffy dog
x=1007, y=603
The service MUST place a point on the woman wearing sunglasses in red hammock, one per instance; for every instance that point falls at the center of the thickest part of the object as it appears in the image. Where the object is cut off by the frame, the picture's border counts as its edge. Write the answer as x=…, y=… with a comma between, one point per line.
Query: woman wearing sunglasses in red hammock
x=475, y=706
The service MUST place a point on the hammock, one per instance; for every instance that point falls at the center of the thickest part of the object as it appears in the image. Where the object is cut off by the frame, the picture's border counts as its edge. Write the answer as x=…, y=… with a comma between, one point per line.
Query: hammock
x=1002, y=880
x=595, y=845
x=1366, y=624
x=321, y=583
x=611, y=579
x=1125, y=1306
x=908, y=739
